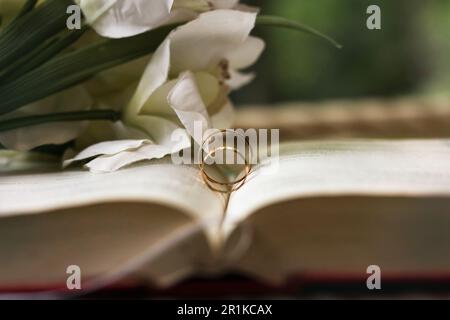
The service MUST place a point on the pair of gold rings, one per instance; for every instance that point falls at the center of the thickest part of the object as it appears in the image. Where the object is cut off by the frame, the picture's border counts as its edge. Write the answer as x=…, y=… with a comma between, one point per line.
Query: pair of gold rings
x=225, y=186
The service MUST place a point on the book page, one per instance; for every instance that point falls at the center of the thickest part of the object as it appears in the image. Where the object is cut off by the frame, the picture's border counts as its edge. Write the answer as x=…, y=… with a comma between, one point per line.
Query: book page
x=341, y=236
x=159, y=182
x=106, y=241
x=359, y=167
x=108, y=224
x=341, y=206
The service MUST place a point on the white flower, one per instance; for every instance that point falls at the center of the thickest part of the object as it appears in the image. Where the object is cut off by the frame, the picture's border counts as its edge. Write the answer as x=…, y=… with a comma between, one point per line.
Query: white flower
x=187, y=80
x=120, y=19
x=113, y=88
x=27, y=138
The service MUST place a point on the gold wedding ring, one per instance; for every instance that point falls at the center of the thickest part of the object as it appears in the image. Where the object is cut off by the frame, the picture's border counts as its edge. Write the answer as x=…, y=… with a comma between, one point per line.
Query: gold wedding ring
x=221, y=186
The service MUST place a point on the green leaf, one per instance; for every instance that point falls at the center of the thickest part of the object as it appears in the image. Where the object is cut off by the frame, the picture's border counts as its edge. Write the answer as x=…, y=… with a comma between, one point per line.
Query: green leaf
x=279, y=22
x=75, y=67
x=32, y=29
x=41, y=55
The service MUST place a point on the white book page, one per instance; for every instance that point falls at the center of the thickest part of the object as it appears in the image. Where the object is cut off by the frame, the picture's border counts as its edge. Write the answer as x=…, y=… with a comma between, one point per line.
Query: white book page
x=158, y=182
x=108, y=224
x=342, y=168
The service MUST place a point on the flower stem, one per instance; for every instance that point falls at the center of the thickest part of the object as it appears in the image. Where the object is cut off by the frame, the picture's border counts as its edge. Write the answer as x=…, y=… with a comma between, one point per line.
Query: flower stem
x=11, y=124
x=273, y=21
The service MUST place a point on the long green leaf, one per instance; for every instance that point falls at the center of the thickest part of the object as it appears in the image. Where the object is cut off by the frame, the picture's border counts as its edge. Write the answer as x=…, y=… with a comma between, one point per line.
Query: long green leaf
x=75, y=67
x=7, y=72
x=32, y=29
x=41, y=55
x=279, y=22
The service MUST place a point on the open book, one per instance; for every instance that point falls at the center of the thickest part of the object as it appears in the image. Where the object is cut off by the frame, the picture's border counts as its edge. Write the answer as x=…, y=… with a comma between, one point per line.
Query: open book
x=332, y=207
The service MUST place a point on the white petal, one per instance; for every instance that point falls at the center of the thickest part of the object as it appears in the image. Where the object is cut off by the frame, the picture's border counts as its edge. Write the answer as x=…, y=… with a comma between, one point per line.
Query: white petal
x=246, y=54
x=186, y=101
x=158, y=104
x=100, y=131
x=201, y=44
x=119, y=18
x=113, y=155
x=107, y=148
x=154, y=76
x=238, y=79
x=158, y=129
x=27, y=138
x=94, y=9
x=114, y=88
x=117, y=78
x=125, y=158
x=180, y=15
x=209, y=87
x=224, y=119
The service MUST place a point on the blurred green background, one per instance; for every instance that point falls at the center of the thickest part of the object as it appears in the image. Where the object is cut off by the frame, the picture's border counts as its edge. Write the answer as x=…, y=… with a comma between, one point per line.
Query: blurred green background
x=410, y=55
